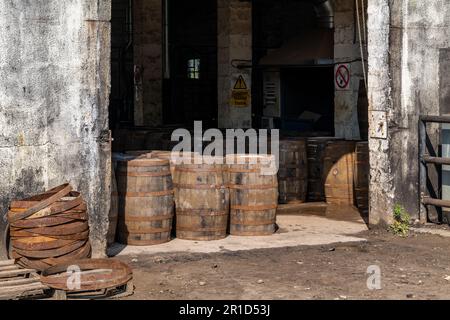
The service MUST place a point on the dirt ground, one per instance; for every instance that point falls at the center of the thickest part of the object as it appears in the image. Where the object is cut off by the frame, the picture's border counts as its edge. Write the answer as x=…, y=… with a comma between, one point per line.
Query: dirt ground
x=417, y=267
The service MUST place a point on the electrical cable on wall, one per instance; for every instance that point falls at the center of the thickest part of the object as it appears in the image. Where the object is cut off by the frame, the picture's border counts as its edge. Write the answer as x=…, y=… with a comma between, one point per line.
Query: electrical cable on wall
x=363, y=5
x=358, y=18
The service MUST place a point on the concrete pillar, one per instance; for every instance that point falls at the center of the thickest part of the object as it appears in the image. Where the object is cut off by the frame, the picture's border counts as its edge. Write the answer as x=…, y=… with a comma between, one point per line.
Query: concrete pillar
x=54, y=96
x=382, y=189
x=234, y=48
x=346, y=49
x=148, y=41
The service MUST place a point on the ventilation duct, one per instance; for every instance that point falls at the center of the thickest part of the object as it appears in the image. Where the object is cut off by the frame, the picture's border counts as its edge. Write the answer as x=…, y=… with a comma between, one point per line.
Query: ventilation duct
x=324, y=12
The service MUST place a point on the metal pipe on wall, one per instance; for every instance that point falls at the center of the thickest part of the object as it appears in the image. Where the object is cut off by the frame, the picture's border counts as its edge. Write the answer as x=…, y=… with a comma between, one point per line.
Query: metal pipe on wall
x=166, y=40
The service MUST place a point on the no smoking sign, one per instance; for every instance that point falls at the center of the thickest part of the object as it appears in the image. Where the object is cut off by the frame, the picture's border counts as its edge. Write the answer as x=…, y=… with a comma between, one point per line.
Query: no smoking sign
x=342, y=77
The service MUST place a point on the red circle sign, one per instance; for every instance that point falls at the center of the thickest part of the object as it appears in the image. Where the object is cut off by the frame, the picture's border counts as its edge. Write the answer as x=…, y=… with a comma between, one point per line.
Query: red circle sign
x=342, y=77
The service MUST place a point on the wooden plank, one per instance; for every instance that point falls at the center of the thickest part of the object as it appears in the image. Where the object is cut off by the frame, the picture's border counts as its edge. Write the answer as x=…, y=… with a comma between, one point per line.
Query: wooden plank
x=7, y=263
x=16, y=282
x=436, y=160
x=22, y=288
x=8, y=268
x=11, y=278
x=13, y=273
x=22, y=295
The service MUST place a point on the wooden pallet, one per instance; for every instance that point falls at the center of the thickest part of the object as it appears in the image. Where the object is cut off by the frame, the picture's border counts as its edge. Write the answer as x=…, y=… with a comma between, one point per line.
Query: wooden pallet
x=18, y=283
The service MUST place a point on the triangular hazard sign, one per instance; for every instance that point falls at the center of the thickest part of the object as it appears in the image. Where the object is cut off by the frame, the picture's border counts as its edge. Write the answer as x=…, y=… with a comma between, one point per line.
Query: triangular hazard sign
x=240, y=84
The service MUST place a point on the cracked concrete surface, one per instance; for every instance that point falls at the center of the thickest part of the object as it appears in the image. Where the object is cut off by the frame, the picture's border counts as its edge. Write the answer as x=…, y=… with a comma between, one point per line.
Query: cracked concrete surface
x=336, y=225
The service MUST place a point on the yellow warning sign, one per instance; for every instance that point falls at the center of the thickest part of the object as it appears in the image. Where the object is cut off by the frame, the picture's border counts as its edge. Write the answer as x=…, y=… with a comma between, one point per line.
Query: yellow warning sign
x=240, y=96
x=240, y=84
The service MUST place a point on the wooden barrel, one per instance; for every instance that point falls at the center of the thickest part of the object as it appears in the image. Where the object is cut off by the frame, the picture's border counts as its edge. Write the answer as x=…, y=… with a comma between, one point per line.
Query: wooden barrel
x=145, y=201
x=160, y=154
x=174, y=157
x=253, y=187
x=293, y=172
x=202, y=201
x=316, y=155
x=338, y=172
x=362, y=174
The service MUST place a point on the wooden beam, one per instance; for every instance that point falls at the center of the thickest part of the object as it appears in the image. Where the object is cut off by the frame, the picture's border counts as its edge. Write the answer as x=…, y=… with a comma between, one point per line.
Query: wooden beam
x=436, y=202
x=435, y=119
x=436, y=160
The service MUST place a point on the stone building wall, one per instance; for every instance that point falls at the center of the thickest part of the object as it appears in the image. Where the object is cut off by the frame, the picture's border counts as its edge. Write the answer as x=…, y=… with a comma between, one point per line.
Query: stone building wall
x=54, y=90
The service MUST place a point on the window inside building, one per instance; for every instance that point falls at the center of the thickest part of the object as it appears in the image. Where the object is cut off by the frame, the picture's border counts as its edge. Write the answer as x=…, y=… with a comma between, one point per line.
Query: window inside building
x=194, y=68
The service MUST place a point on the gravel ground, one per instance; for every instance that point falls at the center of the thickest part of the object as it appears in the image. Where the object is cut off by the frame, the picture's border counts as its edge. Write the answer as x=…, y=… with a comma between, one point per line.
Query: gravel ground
x=416, y=267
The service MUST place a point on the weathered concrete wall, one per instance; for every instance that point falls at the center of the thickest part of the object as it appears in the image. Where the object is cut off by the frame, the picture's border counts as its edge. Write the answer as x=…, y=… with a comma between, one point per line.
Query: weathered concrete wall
x=346, y=49
x=406, y=42
x=426, y=32
x=379, y=80
x=54, y=89
x=234, y=44
x=148, y=41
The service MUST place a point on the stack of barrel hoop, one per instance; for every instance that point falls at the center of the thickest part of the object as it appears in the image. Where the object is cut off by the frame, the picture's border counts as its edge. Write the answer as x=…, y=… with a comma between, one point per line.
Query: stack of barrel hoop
x=49, y=229
x=201, y=200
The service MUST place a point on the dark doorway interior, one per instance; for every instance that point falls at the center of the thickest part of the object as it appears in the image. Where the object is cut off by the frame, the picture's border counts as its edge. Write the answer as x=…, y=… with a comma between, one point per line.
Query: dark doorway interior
x=289, y=41
x=121, y=110
x=191, y=92
x=308, y=94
